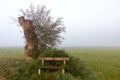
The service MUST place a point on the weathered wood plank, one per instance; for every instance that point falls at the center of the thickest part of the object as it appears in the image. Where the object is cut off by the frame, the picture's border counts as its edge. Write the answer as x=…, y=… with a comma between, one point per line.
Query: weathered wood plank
x=50, y=67
x=54, y=58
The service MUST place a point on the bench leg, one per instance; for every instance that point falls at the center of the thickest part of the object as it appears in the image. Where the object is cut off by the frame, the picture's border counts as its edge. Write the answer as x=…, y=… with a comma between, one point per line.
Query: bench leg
x=63, y=71
x=39, y=71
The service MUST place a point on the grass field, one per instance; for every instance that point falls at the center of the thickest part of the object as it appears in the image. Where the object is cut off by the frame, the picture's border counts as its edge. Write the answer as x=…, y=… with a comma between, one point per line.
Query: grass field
x=104, y=62
x=11, y=53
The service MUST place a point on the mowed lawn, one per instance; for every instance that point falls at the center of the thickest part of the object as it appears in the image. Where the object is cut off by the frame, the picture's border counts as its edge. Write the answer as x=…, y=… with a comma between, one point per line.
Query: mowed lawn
x=104, y=62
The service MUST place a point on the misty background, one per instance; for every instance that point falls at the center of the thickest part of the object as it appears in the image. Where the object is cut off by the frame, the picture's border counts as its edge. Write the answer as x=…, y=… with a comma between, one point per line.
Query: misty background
x=87, y=22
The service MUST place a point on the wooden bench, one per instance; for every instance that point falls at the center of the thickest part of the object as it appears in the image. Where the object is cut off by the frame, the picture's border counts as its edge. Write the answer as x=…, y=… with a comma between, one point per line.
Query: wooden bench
x=64, y=59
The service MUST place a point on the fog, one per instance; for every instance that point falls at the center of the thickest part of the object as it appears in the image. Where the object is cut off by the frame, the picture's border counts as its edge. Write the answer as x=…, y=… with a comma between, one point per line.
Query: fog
x=87, y=22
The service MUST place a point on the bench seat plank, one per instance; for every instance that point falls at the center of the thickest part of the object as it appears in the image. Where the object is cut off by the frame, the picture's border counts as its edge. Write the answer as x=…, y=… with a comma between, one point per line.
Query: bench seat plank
x=54, y=58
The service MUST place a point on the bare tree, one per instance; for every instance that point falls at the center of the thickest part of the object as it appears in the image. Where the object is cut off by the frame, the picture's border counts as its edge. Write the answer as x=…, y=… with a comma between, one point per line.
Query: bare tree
x=40, y=30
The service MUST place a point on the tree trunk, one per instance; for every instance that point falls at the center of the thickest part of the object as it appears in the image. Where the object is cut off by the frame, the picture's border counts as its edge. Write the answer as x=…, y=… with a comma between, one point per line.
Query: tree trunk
x=30, y=36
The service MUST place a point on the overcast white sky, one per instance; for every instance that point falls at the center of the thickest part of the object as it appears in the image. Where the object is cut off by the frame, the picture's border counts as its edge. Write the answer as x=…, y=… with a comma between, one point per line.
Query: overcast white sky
x=88, y=22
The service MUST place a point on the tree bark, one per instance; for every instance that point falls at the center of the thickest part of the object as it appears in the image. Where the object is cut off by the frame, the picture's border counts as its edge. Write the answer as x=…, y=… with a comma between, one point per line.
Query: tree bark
x=30, y=36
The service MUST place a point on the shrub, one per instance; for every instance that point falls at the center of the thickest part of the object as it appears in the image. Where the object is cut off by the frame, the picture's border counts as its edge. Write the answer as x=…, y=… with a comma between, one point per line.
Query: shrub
x=8, y=67
x=77, y=68
x=74, y=66
x=66, y=76
x=54, y=53
x=27, y=70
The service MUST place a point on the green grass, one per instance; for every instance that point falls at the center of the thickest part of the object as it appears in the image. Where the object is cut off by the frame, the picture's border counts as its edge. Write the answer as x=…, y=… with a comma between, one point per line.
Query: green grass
x=104, y=62
x=13, y=52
